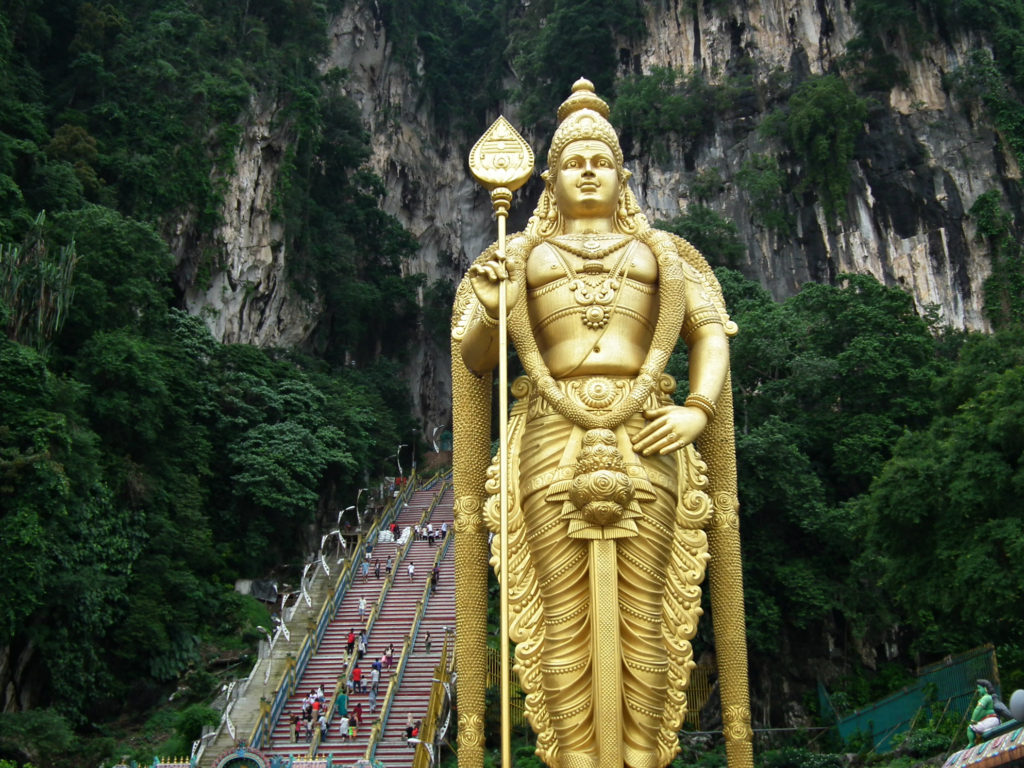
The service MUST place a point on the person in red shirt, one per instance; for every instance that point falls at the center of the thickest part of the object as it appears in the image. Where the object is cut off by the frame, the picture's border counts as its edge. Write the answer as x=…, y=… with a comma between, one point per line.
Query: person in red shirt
x=357, y=679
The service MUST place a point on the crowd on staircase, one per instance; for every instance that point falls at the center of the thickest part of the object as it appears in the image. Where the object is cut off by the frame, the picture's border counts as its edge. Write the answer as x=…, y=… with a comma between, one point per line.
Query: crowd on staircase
x=358, y=656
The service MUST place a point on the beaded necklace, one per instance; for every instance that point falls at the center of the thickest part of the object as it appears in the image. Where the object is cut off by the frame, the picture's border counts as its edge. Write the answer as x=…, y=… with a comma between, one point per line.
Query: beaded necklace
x=590, y=246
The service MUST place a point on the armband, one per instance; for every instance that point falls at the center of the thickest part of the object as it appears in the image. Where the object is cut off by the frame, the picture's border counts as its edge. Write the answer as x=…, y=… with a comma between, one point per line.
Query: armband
x=700, y=317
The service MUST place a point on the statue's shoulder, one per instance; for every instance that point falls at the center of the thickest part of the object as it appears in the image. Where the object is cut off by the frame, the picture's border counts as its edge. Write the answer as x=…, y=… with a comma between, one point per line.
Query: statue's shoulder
x=520, y=242
x=695, y=269
x=692, y=262
x=515, y=242
x=522, y=245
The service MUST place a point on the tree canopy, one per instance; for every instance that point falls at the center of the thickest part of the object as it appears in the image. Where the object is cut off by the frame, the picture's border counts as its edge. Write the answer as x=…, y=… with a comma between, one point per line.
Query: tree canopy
x=144, y=466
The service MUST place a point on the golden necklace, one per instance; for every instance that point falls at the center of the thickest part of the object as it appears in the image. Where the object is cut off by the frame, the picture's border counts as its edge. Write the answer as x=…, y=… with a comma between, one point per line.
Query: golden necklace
x=596, y=298
x=590, y=246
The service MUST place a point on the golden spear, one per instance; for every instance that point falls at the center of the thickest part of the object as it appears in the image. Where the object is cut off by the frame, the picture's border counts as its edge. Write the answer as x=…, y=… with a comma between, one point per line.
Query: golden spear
x=502, y=162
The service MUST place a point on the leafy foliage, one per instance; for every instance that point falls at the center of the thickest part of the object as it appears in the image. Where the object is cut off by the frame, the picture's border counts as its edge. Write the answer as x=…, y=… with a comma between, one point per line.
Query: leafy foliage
x=945, y=504
x=706, y=184
x=766, y=183
x=710, y=233
x=824, y=385
x=341, y=241
x=980, y=81
x=882, y=26
x=1004, y=288
x=41, y=737
x=37, y=288
x=994, y=79
x=557, y=41
x=462, y=45
x=797, y=757
x=820, y=126
x=649, y=109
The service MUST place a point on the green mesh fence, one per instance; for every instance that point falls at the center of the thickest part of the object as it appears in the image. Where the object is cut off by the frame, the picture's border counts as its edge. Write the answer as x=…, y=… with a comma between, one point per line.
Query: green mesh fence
x=947, y=686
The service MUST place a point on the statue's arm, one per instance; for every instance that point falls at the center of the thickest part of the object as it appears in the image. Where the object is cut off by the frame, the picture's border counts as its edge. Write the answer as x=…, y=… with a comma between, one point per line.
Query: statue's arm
x=479, y=344
x=706, y=339
x=672, y=427
x=709, y=361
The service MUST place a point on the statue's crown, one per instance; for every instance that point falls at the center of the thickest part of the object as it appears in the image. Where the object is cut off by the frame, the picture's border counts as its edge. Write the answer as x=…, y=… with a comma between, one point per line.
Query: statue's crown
x=583, y=97
x=584, y=115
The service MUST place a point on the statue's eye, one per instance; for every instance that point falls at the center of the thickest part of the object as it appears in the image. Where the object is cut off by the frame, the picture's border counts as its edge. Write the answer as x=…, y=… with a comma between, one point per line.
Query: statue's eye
x=571, y=163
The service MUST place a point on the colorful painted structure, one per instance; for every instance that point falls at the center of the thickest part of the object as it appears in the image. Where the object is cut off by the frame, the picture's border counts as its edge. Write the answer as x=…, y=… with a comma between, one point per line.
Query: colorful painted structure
x=1005, y=750
x=242, y=757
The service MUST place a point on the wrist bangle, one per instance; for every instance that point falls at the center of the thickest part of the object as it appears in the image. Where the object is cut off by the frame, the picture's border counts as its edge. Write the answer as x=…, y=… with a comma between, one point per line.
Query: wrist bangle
x=486, y=319
x=699, y=401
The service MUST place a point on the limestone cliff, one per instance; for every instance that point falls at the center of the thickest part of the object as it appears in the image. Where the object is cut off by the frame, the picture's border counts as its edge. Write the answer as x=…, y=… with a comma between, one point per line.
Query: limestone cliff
x=235, y=277
x=924, y=162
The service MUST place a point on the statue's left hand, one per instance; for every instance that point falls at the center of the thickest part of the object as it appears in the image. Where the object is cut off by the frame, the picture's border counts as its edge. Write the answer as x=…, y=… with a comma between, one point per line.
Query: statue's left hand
x=669, y=428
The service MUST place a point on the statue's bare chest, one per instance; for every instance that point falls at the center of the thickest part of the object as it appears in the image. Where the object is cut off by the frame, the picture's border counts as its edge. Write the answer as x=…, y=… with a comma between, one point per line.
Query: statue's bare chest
x=548, y=264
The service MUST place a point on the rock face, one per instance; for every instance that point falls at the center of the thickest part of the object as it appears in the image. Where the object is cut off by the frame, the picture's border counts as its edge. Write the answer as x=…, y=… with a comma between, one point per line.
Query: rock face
x=429, y=189
x=236, y=280
x=922, y=165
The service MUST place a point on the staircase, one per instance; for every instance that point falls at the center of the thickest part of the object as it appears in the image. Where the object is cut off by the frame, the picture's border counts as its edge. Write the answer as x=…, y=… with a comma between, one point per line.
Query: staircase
x=392, y=625
x=413, y=692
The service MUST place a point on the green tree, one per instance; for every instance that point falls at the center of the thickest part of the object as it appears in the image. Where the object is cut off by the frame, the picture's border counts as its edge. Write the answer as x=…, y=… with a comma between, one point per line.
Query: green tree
x=342, y=243
x=456, y=48
x=766, y=183
x=557, y=41
x=1004, y=287
x=651, y=108
x=820, y=125
x=942, y=522
x=824, y=385
x=122, y=276
x=68, y=548
x=713, y=235
x=36, y=288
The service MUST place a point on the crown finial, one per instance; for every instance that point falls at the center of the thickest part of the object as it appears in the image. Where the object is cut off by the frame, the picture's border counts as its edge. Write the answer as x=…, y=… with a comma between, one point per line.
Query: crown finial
x=583, y=97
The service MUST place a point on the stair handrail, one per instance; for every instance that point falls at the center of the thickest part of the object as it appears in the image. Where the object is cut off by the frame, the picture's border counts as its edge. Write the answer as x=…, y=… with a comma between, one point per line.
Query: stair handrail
x=410, y=639
x=289, y=679
x=389, y=581
x=378, y=727
x=440, y=691
x=439, y=473
x=342, y=683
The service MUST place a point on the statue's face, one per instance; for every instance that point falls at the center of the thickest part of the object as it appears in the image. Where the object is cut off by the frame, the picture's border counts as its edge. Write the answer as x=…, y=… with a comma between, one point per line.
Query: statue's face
x=587, y=181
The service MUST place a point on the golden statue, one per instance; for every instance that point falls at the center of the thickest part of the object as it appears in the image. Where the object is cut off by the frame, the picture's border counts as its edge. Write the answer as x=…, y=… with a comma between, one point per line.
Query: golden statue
x=612, y=511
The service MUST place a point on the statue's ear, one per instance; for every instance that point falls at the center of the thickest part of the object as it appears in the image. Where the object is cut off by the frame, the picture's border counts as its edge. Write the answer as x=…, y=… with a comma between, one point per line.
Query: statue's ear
x=626, y=175
x=546, y=175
